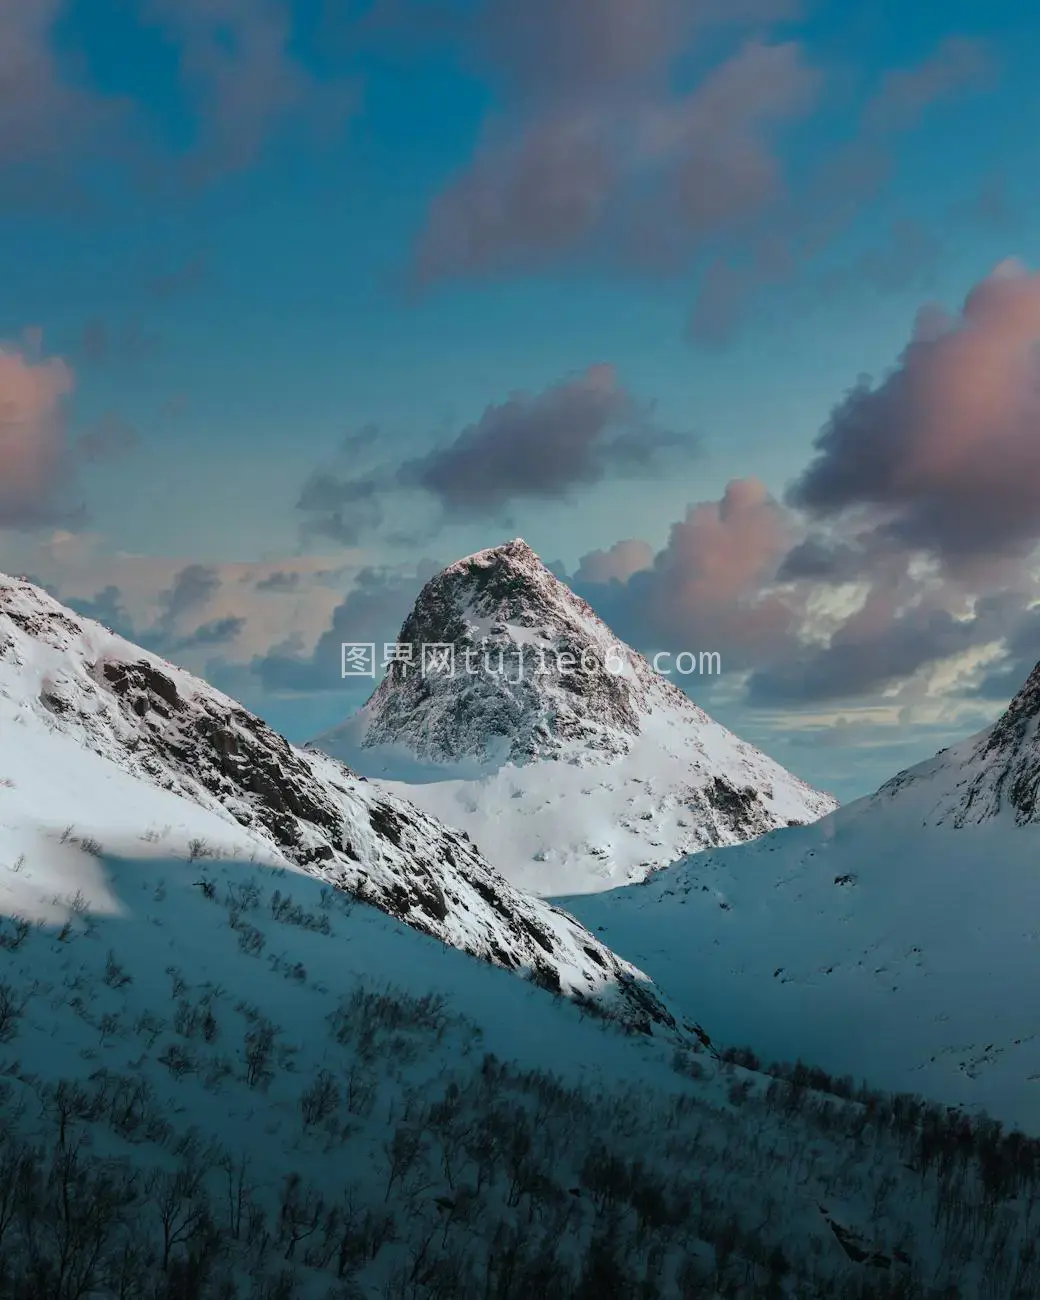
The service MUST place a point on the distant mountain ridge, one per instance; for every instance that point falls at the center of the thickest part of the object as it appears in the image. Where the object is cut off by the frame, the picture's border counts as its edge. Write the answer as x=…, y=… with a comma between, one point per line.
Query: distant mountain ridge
x=995, y=772
x=551, y=740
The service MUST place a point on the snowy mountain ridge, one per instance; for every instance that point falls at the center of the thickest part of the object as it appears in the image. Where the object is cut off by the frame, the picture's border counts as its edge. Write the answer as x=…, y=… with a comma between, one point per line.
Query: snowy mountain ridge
x=81, y=708
x=553, y=740
x=226, y=1079
x=896, y=939
x=993, y=773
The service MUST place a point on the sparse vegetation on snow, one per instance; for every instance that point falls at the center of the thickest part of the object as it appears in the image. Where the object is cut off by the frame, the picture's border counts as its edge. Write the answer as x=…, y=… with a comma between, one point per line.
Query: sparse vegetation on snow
x=347, y=1109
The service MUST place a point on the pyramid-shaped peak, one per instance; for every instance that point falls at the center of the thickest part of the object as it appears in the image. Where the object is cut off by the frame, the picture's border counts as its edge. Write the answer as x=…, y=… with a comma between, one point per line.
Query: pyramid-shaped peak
x=512, y=692
x=534, y=668
x=517, y=548
x=515, y=553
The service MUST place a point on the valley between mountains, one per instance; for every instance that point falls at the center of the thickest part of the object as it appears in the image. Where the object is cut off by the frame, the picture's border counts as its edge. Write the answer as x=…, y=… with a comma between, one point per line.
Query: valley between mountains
x=273, y=1026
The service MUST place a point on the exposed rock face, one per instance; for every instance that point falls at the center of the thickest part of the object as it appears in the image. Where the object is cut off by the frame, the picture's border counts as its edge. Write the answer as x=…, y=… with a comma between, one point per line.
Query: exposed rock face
x=170, y=728
x=533, y=667
x=552, y=715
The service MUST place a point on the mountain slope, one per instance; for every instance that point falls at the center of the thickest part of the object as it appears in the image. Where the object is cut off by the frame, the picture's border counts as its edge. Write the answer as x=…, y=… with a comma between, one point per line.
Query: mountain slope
x=222, y=1078
x=93, y=728
x=557, y=747
x=897, y=939
x=213, y=1093
x=995, y=773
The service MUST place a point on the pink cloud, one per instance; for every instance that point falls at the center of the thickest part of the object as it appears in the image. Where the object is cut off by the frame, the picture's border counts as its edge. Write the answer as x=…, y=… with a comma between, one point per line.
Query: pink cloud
x=710, y=586
x=946, y=449
x=722, y=551
x=616, y=564
x=34, y=453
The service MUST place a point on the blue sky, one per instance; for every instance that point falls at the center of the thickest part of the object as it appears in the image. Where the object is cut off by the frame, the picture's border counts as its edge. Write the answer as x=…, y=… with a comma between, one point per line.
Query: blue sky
x=241, y=227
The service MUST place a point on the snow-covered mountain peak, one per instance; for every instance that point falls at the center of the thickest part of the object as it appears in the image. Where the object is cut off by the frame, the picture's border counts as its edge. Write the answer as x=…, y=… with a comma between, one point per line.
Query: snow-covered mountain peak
x=94, y=728
x=994, y=773
x=575, y=764
x=530, y=672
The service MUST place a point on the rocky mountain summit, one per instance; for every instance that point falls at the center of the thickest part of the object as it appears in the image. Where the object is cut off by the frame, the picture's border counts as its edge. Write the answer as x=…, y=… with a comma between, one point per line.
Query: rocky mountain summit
x=534, y=673
x=513, y=711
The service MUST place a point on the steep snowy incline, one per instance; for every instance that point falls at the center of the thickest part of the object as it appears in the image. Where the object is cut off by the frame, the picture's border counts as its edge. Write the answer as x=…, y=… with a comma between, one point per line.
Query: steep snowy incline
x=324, y=1096
x=994, y=774
x=92, y=728
x=897, y=939
x=558, y=748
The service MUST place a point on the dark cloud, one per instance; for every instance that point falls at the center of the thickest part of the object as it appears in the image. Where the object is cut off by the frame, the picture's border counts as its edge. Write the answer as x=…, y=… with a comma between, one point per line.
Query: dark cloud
x=372, y=613
x=649, y=182
x=48, y=123
x=1021, y=655
x=945, y=449
x=528, y=196
x=821, y=560
x=341, y=509
x=891, y=638
x=286, y=581
x=193, y=587
x=833, y=196
x=721, y=298
x=533, y=446
x=858, y=663
x=280, y=581
x=599, y=147
x=551, y=50
x=594, y=147
x=241, y=78
x=544, y=445
x=105, y=607
x=216, y=632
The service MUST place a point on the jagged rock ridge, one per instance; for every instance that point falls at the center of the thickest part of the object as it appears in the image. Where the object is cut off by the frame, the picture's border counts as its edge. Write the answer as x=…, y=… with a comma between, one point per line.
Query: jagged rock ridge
x=512, y=626
x=995, y=772
x=170, y=728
